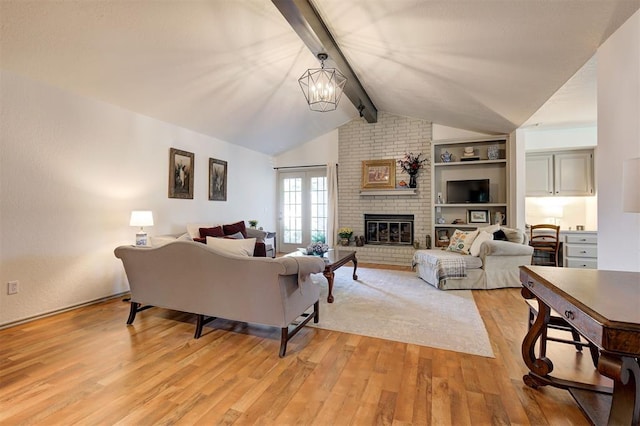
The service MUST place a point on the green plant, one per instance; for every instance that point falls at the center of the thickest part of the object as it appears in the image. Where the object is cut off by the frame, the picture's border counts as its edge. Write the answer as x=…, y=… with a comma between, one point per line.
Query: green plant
x=345, y=232
x=318, y=237
x=253, y=223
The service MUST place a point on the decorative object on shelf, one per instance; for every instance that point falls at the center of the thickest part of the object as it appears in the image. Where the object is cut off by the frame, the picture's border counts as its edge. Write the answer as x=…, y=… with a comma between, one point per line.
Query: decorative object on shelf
x=416, y=245
x=218, y=180
x=379, y=174
x=360, y=241
x=317, y=249
x=322, y=87
x=498, y=218
x=441, y=220
x=411, y=164
x=141, y=218
x=180, y=174
x=402, y=184
x=443, y=238
x=478, y=216
x=345, y=234
x=253, y=223
x=446, y=157
x=428, y=241
x=468, y=151
x=458, y=221
x=493, y=152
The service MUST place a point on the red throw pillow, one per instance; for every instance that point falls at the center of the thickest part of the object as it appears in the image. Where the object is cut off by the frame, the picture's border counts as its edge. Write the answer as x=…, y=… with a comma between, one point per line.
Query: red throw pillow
x=235, y=227
x=216, y=231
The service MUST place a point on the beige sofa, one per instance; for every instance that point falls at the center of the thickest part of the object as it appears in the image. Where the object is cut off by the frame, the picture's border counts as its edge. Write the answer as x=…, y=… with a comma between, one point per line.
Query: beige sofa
x=496, y=266
x=193, y=277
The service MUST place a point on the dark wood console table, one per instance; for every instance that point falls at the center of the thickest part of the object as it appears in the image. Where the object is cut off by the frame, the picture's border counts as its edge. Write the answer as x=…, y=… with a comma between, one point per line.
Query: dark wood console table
x=604, y=306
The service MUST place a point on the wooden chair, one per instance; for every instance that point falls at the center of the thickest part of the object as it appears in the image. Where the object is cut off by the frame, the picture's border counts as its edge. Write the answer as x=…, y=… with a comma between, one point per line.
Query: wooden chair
x=545, y=240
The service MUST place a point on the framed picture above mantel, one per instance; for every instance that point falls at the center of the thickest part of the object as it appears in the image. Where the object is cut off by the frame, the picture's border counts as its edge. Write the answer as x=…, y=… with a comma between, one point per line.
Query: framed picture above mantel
x=379, y=174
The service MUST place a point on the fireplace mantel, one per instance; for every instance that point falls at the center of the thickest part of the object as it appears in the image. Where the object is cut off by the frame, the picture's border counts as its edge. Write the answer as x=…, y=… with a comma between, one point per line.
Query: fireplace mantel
x=399, y=192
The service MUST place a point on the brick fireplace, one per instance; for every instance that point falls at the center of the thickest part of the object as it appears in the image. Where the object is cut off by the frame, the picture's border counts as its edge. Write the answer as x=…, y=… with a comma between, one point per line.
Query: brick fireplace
x=390, y=137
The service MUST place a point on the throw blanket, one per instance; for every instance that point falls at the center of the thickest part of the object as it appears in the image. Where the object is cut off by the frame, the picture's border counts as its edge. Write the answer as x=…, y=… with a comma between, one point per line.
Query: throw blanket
x=446, y=264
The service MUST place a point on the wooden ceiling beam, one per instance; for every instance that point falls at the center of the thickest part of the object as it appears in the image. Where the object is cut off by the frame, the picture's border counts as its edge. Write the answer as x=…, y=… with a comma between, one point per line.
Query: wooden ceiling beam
x=306, y=22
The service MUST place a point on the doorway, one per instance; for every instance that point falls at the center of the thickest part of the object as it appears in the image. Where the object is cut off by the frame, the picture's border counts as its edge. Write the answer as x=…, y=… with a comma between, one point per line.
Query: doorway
x=302, y=204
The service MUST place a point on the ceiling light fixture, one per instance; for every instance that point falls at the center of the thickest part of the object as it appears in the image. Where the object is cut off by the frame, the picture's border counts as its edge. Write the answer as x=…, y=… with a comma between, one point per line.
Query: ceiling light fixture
x=322, y=87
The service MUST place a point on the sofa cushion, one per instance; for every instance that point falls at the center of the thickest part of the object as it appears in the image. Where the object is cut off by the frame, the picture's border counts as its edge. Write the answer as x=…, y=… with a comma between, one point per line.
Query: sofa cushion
x=461, y=241
x=514, y=235
x=489, y=229
x=477, y=242
x=215, y=231
x=499, y=235
x=236, y=247
x=237, y=236
x=235, y=227
x=472, y=262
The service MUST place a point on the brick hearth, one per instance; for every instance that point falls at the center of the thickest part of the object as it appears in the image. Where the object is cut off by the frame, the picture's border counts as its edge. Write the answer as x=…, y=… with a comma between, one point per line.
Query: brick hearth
x=390, y=137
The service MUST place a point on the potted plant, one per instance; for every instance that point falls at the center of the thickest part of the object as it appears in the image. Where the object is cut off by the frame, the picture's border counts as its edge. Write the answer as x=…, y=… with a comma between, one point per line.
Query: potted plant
x=411, y=164
x=345, y=234
x=253, y=223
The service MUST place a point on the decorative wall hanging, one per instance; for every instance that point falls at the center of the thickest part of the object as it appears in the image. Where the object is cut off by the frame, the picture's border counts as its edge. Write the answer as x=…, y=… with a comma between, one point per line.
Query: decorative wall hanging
x=181, y=164
x=379, y=174
x=217, y=180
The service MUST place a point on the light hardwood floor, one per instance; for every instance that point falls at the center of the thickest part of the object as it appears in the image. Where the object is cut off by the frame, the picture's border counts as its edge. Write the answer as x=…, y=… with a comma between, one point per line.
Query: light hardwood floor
x=87, y=367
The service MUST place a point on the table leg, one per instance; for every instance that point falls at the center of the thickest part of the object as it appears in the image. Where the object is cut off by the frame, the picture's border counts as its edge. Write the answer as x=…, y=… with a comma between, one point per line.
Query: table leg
x=355, y=267
x=329, y=275
x=625, y=372
x=541, y=367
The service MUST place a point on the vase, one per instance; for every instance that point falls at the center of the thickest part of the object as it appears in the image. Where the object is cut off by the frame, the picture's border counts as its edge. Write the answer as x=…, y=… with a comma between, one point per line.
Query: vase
x=344, y=241
x=413, y=181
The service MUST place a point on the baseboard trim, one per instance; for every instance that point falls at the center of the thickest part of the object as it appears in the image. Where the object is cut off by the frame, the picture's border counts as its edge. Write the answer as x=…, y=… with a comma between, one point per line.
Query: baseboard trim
x=59, y=311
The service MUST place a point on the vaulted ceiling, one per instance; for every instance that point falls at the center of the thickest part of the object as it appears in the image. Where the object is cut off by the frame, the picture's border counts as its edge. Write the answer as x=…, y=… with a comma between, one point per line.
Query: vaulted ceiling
x=229, y=68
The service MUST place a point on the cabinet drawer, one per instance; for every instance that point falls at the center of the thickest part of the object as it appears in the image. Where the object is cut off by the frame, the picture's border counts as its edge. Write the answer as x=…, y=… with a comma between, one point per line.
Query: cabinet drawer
x=582, y=239
x=582, y=263
x=586, y=325
x=581, y=251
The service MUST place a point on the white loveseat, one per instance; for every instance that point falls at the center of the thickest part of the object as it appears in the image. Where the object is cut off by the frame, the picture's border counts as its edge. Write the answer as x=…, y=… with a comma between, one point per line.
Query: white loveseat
x=495, y=266
x=196, y=278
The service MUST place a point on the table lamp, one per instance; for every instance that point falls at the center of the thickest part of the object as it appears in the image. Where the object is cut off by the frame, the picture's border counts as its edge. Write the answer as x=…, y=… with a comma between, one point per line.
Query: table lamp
x=630, y=179
x=141, y=218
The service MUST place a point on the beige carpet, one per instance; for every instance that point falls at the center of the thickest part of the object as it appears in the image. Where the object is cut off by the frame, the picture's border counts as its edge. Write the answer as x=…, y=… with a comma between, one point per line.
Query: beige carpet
x=399, y=306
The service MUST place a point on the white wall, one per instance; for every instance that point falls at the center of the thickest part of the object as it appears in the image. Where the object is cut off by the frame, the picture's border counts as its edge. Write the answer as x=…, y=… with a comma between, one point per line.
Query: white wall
x=554, y=138
x=72, y=169
x=619, y=139
x=320, y=151
x=444, y=132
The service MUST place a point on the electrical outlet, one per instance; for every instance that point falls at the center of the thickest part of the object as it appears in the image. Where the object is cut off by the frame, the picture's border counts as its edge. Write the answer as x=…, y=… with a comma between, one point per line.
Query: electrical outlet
x=12, y=287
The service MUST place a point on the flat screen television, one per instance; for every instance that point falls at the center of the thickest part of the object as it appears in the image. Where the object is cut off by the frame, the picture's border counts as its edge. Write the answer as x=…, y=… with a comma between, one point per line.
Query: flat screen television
x=468, y=191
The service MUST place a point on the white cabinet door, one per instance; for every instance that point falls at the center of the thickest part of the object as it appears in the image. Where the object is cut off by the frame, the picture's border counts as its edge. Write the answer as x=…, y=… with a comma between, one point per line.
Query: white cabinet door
x=539, y=175
x=573, y=174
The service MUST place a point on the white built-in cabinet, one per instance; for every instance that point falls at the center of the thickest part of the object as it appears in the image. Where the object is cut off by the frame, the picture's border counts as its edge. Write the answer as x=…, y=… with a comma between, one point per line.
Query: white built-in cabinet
x=562, y=174
x=480, y=165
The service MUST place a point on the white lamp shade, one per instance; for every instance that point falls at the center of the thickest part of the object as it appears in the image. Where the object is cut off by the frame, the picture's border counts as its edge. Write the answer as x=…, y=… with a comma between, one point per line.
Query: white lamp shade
x=630, y=185
x=141, y=218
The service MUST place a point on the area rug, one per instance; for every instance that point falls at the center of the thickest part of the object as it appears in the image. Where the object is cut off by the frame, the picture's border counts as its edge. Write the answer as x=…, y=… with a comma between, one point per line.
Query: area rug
x=399, y=306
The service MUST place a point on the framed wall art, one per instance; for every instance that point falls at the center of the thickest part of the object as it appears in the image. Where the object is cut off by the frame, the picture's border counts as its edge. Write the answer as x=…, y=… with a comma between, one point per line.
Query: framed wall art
x=478, y=216
x=181, y=164
x=379, y=174
x=217, y=180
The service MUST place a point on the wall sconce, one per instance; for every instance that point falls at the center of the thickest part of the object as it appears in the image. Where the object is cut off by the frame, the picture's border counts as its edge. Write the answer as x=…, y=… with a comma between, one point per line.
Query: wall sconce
x=141, y=218
x=630, y=181
x=322, y=87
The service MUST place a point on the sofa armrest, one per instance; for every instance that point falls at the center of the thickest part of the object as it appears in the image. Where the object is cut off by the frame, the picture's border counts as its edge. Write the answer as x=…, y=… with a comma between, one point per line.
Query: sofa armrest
x=504, y=248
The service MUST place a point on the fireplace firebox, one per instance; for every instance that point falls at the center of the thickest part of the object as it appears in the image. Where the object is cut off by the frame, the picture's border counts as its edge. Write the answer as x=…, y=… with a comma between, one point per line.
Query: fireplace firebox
x=388, y=229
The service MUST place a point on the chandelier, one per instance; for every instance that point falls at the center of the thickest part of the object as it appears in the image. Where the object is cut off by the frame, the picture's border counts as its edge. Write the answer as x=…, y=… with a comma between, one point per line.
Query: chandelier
x=322, y=87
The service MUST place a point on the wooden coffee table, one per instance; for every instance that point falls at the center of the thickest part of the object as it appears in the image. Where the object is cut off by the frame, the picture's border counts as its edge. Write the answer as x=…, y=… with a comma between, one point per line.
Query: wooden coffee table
x=333, y=259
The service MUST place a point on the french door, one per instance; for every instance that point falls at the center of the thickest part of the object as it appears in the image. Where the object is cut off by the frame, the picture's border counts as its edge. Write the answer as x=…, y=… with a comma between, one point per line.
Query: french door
x=302, y=208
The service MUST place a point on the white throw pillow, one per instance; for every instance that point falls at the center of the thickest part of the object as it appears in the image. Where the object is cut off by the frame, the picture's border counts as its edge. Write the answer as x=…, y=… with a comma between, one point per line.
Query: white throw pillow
x=461, y=241
x=481, y=238
x=242, y=247
x=193, y=229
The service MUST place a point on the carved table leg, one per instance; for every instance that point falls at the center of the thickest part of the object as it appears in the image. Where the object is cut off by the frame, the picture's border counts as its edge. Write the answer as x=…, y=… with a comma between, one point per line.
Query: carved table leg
x=329, y=275
x=539, y=367
x=625, y=372
x=355, y=267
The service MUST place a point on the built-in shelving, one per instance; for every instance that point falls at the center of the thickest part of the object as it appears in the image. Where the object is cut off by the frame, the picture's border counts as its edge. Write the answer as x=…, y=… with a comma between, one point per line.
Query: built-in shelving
x=490, y=161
